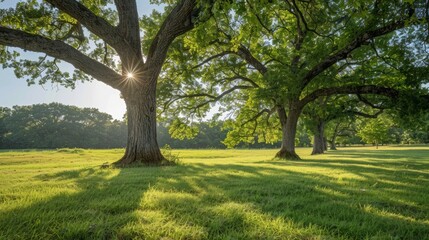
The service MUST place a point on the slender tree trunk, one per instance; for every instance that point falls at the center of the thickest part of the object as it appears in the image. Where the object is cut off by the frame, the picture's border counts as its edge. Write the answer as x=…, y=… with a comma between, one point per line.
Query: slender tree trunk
x=319, y=142
x=325, y=143
x=289, y=123
x=333, y=144
x=142, y=146
x=334, y=137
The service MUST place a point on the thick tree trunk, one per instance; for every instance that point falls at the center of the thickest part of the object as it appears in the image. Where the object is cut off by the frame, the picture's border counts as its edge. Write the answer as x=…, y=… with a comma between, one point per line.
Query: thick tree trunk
x=142, y=145
x=319, y=141
x=287, y=150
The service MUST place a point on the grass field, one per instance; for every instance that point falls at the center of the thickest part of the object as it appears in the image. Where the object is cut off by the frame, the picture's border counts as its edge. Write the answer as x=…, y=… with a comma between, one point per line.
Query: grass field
x=353, y=193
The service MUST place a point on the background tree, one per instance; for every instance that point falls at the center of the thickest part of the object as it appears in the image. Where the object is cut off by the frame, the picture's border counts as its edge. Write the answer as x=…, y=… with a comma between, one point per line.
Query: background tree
x=376, y=131
x=263, y=63
x=101, y=39
x=56, y=125
x=4, y=113
x=318, y=114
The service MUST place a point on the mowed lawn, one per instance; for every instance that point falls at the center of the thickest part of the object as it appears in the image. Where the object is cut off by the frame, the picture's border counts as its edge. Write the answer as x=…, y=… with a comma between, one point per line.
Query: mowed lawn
x=352, y=193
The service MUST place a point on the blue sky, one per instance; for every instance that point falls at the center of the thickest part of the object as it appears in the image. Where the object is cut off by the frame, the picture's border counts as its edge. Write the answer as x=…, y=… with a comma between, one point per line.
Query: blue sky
x=95, y=94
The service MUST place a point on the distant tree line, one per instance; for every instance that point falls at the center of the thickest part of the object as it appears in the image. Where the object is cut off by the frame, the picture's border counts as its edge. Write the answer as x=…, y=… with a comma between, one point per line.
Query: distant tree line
x=54, y=125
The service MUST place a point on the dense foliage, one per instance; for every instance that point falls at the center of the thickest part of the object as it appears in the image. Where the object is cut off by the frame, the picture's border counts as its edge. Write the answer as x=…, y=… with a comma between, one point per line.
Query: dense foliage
x=55, y=126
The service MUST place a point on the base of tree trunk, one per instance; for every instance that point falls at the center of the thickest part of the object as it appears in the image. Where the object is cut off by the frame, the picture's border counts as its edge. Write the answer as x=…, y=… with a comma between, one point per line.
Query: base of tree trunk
x=333, y=148
x=283, y=154
x=157, y=160
x=317, y=152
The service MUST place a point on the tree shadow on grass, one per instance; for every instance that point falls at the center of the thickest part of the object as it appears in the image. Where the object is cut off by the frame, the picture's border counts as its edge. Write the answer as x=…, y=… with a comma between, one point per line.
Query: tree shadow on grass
x=95, y=204
x=266, y=200
x=284, y=204
x=381, y=154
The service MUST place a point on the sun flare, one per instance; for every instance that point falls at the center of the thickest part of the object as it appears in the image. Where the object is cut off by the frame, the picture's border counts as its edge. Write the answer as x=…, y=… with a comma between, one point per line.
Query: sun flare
x=130, y=75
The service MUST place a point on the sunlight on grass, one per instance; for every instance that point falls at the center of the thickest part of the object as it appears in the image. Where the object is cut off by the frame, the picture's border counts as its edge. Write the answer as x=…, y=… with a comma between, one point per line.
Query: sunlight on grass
x=352, y=193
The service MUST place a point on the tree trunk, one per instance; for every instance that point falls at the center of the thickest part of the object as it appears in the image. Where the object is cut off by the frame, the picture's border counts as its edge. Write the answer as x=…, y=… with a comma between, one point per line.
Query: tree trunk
x=319, y=142
x=333, y=144
x=287, y=150
x=334, y=138
x=325, y=143
x=142, y=145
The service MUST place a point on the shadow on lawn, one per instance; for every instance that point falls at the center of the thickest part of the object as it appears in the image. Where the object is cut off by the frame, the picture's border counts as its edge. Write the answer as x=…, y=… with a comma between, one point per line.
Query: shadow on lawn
x=266, y=200
x=103, y=203
x=339, y=209
x=381, y=154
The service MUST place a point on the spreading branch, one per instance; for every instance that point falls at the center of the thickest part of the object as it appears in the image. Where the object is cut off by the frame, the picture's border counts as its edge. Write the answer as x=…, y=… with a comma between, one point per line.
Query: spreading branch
x=366, y=89
x=60, y=50
x=258, y=115
x=360, y=40
x=128, y=26
x=97, y=25
x=365, y=115
x=367, y=102
x=178, y=22
x=244, y=53
x=207, y=60
x=223, y=94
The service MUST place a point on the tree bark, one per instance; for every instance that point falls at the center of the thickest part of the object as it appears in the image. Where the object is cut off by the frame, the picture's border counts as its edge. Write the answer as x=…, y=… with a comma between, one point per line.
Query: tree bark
x=287, y=150
x=333, y=144
x=142, y=145
x=334, y=137
x=319, y=142
x=325, y=143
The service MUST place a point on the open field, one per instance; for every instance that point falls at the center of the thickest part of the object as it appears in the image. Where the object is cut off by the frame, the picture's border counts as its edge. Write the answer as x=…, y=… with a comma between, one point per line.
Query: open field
x=352, y=193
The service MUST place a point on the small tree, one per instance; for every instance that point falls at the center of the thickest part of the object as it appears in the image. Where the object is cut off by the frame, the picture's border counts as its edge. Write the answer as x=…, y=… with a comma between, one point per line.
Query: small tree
x=375, y=131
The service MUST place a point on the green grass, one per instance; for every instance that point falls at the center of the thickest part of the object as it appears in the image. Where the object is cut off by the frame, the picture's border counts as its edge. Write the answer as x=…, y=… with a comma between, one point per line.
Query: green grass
x=353, y=193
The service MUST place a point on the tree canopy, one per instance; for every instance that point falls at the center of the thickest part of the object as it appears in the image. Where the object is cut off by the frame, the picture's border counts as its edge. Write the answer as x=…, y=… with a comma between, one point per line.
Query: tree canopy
x=262, y=62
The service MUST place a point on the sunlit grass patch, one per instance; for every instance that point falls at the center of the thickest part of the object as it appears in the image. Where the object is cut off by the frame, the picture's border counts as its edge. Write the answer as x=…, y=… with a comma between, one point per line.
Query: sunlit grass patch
x=352, y=193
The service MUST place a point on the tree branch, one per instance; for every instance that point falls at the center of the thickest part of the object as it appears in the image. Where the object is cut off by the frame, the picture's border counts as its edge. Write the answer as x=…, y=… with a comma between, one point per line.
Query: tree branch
x=60, y=50
x=360, y=40
x=129, y=24
x=365, y=115
x=259, y=114
x=178, y=22
x=224, y=53
x=366, y=89
x=251, y=60
x=178, y=97
x=270, y=31
x=223, y=94
x=97, y=25
x=367, y=102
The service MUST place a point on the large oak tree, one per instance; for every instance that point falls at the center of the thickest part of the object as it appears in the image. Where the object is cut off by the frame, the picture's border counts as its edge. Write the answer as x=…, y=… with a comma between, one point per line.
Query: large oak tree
x=264, y=61
x=103, y=41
